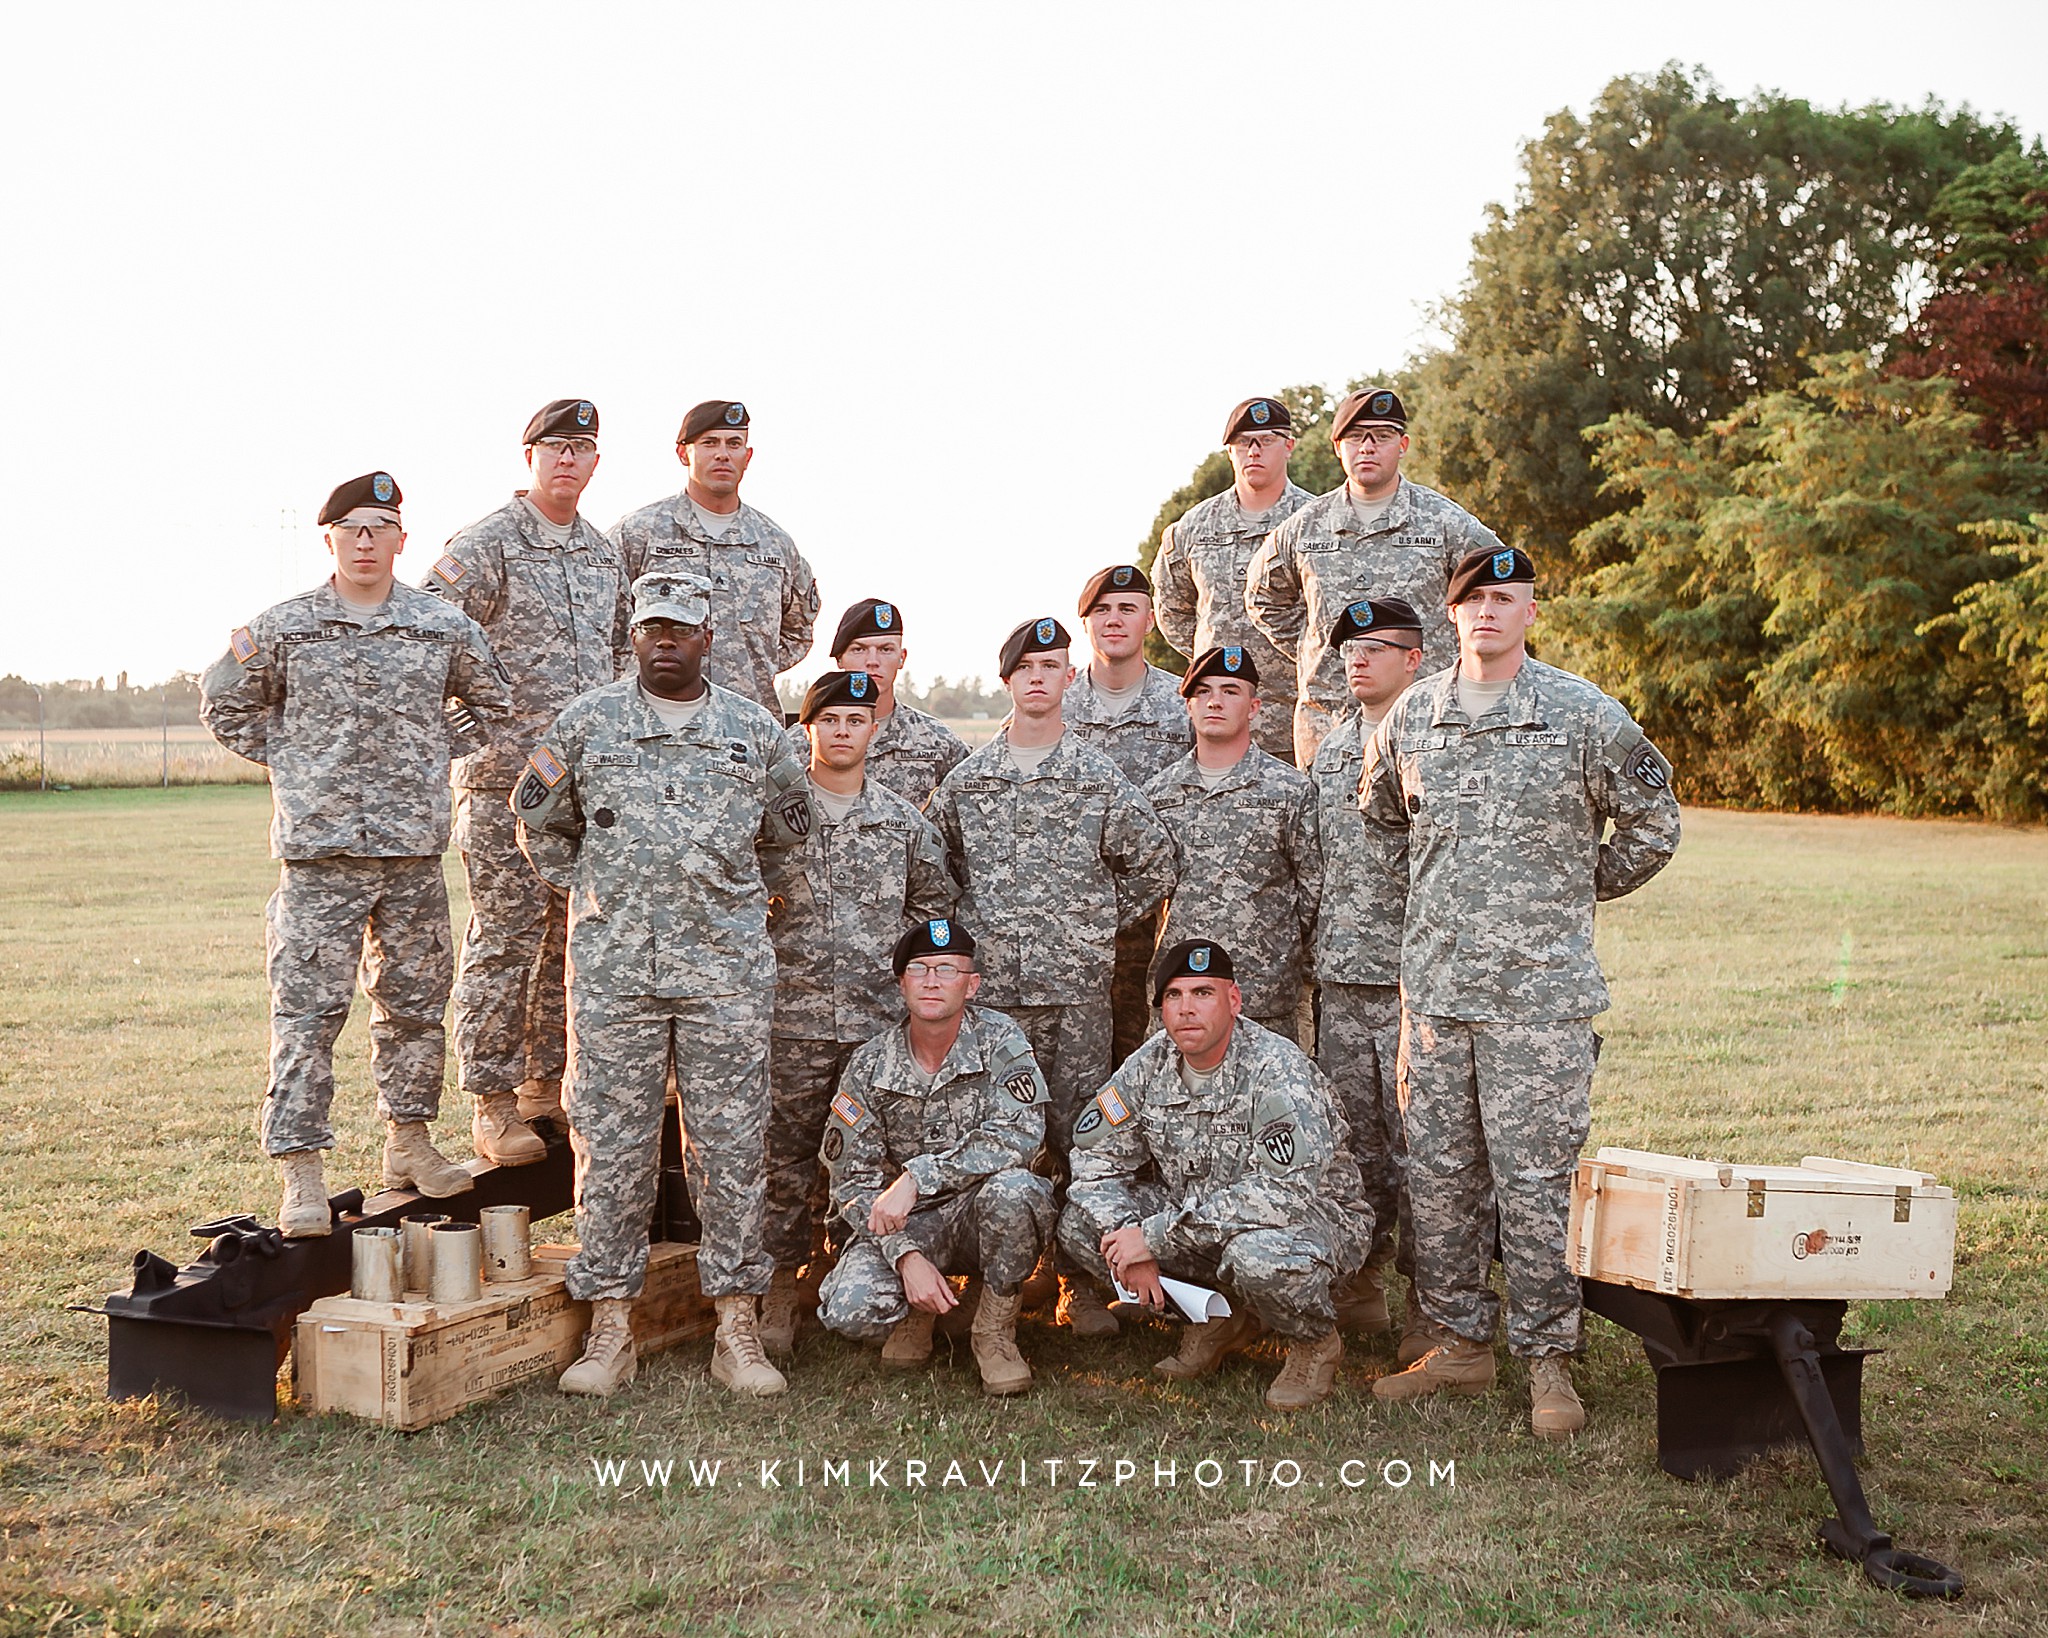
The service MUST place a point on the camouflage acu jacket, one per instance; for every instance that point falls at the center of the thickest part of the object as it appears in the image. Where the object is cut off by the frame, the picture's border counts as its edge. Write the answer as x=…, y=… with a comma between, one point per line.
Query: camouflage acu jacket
x=1262, y=1147
x=1248, y=866
x=1151, y=735
x=836, y=905
x=910, y=753
x=1358, y=929
x=555, y=614
x=1198, y=583
x=349, y=710
x=654, y=837
x=764, y=598
x=1049, y=867
x=1494, y=828
x=1319, y=561
x=984, y=1113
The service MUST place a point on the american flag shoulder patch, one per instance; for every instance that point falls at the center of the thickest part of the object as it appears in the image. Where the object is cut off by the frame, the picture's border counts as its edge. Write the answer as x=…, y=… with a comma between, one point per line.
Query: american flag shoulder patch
x=545, y=763
x=242, y=645
x=1114, y=1109
x=449, y=568
x=848, y=1110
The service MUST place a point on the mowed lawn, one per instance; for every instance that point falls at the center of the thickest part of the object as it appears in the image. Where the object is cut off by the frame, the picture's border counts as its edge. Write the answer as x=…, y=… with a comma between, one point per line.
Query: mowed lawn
x=1866, y=988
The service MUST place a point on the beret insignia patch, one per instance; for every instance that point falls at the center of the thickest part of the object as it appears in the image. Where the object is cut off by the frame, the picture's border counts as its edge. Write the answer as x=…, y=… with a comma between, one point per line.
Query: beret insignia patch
x=584, y=414
x=1121, y=576
x=1091, y=1117
x=1278, y=1142
x=796, y=813
x=942, y=934
x=1022, y=1086
x=735, y=414
x=834, y=1145
x=242, y=645
x=1379, y=403
x=1198, y=959
x=1262, y=412
x=857, y=684
x=381, y=486
x=449, y=568
x=885, y=616
x=1649, y=769
x=1045, y=630
x=549, y=766
x=1503, y=564
x=1233, y=659
x=1361, y=613
x=1114, y=1109
x=848, y=1110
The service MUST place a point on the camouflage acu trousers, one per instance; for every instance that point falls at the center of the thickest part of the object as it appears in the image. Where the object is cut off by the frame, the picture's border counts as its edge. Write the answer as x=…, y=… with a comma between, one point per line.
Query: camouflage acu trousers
x=1071, y=1045
x=995, y=1229
x=510, y=1000
x=329, y=921
x=621, y=1049
x=1286, y=1276
x=1358, y=1044
x=801, y=1079
x=1132, y=1019
x=1496, y=1114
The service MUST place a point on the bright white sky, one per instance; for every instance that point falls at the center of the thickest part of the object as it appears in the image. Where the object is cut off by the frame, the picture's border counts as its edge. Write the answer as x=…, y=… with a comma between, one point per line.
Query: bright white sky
x=988, y=276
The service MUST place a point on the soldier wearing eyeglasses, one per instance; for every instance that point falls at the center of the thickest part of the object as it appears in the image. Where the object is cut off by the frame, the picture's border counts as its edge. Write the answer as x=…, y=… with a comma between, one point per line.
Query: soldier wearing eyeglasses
x=1198, y=576
x=343, y=693
x=764, y=598
x=546, y=586
x=929, y=1142
x=1377, y=535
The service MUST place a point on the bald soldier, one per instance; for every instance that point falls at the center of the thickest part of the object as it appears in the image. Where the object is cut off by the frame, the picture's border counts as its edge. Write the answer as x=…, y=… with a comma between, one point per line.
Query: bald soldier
x=911, y=750
x=1488, y=792
x=1216, y=1155
x=1198, y=577
x=764, y=598
x=1378, y=535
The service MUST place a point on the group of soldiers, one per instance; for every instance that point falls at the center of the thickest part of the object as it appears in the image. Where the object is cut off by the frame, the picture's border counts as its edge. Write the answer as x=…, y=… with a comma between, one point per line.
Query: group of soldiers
x=1267, y=977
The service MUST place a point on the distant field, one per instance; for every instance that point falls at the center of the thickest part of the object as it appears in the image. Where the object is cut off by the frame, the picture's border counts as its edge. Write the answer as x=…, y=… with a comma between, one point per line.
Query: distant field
x=99, y=757
x=1870, y=988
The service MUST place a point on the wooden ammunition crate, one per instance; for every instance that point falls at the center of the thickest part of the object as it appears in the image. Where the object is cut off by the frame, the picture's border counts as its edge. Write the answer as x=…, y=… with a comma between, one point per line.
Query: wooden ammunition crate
x=1706, y=1228
x=409, y=1365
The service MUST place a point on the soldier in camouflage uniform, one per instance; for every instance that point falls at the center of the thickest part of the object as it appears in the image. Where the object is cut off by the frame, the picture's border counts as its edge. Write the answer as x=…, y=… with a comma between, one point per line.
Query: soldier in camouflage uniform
x=911, y=751
x=871, y=864
x=1216, y=1154
x=1377, y=536
x=1198, y=576
x=1132, y=713
x=930, y=1143
x=648, y=804
x=344, y=694
x=546, y=587
x=1358, y=957
x=1054, y=850
x=764, y=598
x=1486, y=790
x=1248, y=861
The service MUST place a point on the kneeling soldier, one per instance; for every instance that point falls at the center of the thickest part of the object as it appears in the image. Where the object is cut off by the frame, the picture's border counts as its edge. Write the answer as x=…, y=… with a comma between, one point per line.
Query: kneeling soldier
x=930, y=1144
x=1255, y=1186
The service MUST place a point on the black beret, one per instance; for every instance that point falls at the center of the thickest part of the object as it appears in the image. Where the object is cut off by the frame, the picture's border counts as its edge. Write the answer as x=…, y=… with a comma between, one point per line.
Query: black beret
x=1258, y=415
x=1123, y=577
x=371, y=489
x=564, y=418
x=837, y=688
x=1225, y=661
x=713, y=415
x=1502, y=568
x=1374, y=617
x=870, y=617
x=1190, y=958
x=1368, y=404
x=940, y=937
x=1032, y=637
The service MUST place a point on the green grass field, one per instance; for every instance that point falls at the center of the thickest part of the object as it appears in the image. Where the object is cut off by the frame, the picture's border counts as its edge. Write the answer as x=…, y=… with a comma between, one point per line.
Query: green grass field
x=1868, y=988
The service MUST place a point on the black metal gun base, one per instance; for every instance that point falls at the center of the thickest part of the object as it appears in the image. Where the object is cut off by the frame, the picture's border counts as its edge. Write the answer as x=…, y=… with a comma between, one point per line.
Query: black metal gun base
x=1736, y=1379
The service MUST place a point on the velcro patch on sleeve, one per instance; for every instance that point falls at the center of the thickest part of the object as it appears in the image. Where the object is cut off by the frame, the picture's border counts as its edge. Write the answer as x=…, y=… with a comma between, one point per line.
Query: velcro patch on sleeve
x=1114, y=1109
x=847, y=1109
x=1022, y=1085
x=548, y=766
x=242, y=645
x=448, y=568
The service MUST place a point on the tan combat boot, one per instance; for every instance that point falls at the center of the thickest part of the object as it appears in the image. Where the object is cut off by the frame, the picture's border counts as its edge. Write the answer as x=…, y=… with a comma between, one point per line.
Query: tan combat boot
x=1084, y=1309
x=1043, y=1285
x=1202, y=1347
x=1362, y=1304
x=1003, y=1369
x=542, y=1100
x=410, y=1158
x=1452, y=1366
x=777, y=1327
x=305, y=1213
x=498, y=1133
x=1419, y=1334
x=910, y=1341
x=1309, y=1374
x=609, y=1360
x=1554, y=1408
x=737, y=1360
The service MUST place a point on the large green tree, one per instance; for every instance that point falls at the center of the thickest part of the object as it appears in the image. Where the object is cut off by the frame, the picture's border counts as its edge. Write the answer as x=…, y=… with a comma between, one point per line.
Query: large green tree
x=1668, y=256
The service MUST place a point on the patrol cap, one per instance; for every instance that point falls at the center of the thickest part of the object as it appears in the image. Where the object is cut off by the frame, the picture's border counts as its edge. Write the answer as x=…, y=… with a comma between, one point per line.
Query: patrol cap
x=1191, y=958
x=1041, y=636
x=1258, y=415
x=1118, y=577
x=1369, y=406
x=668, y=594
x=1476, y=569
x=562, y=418
x=870, y=617
x=371, y=489
x=941, y=937
x=713, y=415
x=1381, y=617
x=1225, y=660
x=837, y=688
